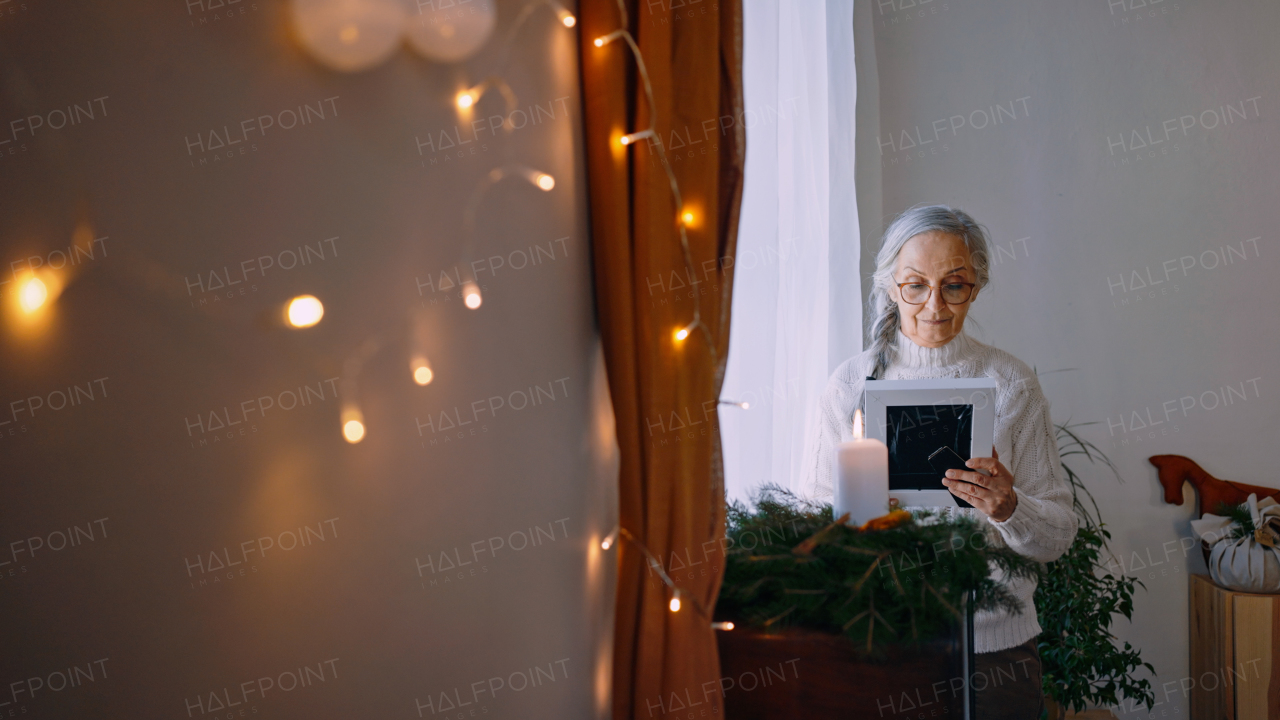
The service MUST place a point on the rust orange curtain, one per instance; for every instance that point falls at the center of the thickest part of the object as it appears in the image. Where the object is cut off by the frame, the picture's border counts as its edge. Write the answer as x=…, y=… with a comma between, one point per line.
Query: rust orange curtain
x=664, y=390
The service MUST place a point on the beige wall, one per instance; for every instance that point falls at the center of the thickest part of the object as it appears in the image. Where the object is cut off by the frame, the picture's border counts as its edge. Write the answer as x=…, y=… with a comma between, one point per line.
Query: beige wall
x=1123, y=155
x=364, y=599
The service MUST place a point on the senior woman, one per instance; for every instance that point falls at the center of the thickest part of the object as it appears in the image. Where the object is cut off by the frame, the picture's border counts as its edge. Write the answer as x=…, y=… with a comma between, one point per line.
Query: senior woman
x=932, y=264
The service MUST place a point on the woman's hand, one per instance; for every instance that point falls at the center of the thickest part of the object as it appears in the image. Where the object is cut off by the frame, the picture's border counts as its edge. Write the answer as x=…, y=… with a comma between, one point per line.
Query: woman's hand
x=992, y=494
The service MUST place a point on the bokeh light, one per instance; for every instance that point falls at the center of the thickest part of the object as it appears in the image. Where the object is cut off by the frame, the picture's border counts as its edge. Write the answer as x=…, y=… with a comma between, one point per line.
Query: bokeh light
x=32, y=294
x=423, y=375
x=471, y=295
x=305, y=311
x=353, y=431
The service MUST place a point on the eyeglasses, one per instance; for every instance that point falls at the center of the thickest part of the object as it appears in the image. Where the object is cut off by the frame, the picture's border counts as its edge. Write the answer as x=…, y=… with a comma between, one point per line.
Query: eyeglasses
x=955, y=293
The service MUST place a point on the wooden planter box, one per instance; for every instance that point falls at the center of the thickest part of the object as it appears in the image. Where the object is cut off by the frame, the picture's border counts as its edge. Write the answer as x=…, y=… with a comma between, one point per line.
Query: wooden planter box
x=807, y=675
x=1235, y=653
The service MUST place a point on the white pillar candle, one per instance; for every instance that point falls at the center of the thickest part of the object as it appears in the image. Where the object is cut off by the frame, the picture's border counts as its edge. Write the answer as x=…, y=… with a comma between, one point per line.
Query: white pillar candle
x=862, y=477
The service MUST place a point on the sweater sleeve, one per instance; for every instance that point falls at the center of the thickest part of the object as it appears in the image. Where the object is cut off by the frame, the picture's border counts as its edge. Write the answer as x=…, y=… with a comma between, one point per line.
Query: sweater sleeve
x=834, y=409
x=1044, y=523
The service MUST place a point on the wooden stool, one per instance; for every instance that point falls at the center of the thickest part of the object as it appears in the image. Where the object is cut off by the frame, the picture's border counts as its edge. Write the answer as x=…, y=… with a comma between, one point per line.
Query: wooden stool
x=1235, y=668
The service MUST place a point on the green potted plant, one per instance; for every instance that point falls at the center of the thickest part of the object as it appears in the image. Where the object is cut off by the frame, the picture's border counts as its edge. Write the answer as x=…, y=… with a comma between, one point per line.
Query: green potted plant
x=1077, y=600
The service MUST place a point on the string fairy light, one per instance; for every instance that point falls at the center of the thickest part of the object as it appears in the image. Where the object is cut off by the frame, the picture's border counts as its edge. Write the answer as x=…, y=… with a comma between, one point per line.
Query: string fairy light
x=351, y=419
x=565, y=17
x=465, y=101
x=683, y=216
x=609, y=539
x=306, y=311
x=632, y=137
x=419, y=341
x=736, y=403
x=676, y=602
x=541, y=180
x=562, y=14
x=684, y=219
x=545, y=182
x=468, y=97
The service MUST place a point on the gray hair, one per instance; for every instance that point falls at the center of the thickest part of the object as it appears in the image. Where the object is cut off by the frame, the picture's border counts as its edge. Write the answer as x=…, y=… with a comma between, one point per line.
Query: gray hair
x=883, y=311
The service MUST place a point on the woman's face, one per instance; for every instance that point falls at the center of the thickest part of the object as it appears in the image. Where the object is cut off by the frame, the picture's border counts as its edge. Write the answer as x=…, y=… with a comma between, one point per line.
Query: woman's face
x=933, y=258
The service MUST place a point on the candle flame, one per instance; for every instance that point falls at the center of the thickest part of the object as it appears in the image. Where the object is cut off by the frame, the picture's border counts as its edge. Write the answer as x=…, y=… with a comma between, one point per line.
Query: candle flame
x=857, y=424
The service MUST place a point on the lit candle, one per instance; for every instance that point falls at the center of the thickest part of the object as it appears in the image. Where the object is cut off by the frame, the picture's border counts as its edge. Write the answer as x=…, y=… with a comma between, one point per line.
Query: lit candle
x=861, y=477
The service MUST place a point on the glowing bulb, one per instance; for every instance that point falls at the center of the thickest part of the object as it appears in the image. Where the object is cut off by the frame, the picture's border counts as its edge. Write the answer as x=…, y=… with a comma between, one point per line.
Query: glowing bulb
x=567, y=19
x=536, y=178
x=353, y=431
x=632, y=137
x=305, y=311
x=687, y=218
x=683, y=333
x=471, y=295
x=466, y=99
x=745, y=406
x=599, y=42
x=722, y=626
x=423, y=375
x=352, y=424
x=857, y=424
x=33, y=294
x=606, y=543
x=675, y=603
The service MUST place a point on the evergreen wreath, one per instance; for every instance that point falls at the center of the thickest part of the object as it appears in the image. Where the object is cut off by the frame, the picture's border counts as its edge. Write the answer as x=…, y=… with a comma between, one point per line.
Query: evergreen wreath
x=900, y=578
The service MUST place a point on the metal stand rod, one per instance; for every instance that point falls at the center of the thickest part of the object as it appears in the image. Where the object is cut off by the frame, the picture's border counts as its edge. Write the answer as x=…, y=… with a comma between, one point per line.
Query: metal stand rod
x=970, y=660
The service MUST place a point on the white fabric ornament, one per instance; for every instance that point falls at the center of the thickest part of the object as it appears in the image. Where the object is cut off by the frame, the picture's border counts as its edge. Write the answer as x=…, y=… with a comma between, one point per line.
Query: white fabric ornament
x=450, y=30
x=349, y=35
x=1247, y=564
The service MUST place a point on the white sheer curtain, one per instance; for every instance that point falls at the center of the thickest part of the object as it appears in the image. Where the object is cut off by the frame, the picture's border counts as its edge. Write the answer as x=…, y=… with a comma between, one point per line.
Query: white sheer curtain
x=796, y=296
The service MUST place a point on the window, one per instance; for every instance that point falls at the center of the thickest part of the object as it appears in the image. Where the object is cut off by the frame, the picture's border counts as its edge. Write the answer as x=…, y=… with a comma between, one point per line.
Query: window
x=797, y=292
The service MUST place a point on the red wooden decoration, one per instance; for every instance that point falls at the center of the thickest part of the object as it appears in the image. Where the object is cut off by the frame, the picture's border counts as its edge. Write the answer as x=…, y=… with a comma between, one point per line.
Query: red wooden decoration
x=1176, y=469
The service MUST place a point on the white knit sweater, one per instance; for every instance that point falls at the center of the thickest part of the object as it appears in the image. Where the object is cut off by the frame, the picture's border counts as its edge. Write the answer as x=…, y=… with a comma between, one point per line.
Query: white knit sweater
x=1043, y=524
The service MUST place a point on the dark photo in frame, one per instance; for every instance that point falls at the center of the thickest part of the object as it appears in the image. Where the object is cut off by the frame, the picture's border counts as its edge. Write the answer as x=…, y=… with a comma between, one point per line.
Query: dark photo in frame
x=914, y=432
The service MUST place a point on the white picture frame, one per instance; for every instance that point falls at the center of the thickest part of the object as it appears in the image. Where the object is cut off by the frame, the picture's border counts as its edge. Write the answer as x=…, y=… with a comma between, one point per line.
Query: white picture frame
x=980, y=393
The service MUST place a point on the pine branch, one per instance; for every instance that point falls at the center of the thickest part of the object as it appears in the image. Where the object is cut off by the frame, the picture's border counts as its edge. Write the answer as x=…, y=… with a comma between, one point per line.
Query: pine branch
x=788, y=559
